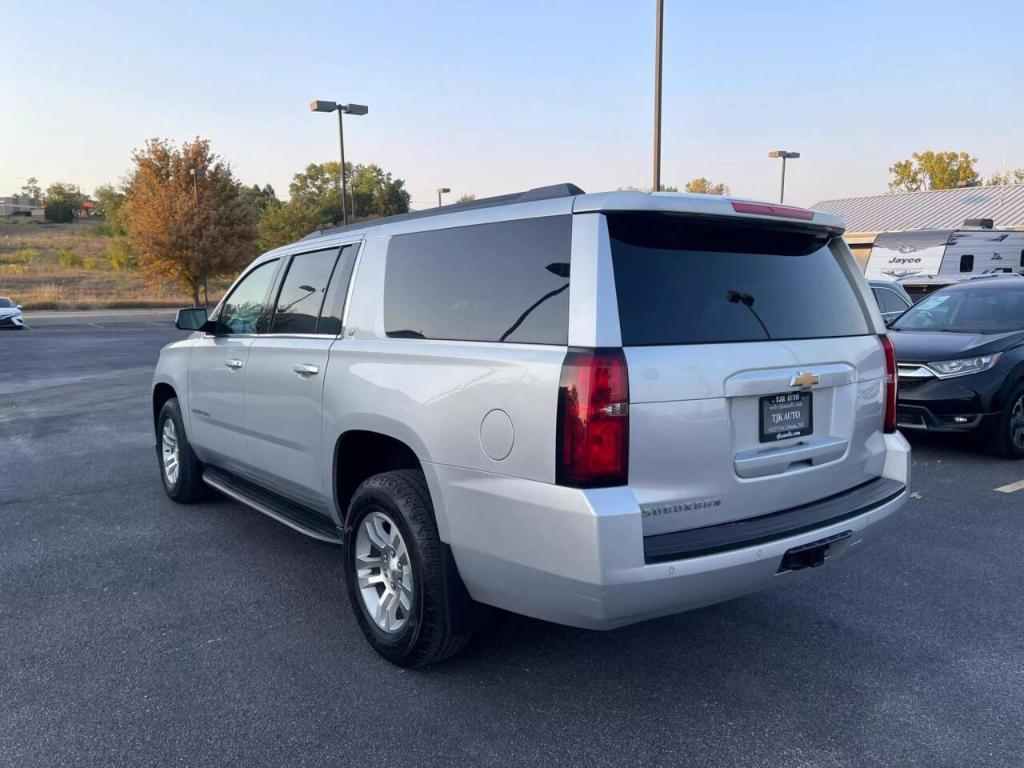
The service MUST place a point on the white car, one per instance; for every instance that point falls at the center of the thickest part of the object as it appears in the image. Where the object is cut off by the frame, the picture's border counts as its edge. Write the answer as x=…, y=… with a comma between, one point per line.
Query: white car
x=10, y=314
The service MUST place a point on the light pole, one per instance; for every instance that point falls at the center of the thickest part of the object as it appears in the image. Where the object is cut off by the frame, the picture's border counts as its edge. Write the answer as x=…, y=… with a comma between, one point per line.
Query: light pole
x=197, y=174
x=660, y=15
x=441, y=191
x=342, y=109
x=785, y=156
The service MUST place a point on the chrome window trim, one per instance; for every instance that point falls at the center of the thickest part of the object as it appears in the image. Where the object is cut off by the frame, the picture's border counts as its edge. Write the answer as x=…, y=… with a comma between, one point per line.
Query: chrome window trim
x=351, y=283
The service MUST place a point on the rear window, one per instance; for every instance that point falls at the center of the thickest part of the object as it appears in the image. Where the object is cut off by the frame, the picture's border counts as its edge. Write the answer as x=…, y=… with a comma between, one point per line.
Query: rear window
x=504, y=282
x=684, y=280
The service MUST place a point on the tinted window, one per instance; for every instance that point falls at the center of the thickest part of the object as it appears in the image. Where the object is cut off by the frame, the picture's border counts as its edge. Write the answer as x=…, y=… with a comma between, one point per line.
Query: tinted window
x=507, y=281
x=684, y=280
x=6, y=303
x=242, y=310
x=302, y=292
x=967, y=262
x=334, y=304
x=981, y=309
x=890, y=301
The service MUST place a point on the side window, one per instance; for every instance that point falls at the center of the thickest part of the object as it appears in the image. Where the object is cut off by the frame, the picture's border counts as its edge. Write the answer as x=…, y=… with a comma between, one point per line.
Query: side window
x=242, y=310
x=302, y=292
x=967, y=262
x=506, y=281
x=891, y=301
x=1022, y=258
x=334, y=303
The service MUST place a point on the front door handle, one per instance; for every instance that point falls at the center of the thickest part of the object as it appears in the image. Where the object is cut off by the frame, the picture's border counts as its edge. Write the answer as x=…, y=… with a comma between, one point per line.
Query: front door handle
x=233, y=364
x=305, y=369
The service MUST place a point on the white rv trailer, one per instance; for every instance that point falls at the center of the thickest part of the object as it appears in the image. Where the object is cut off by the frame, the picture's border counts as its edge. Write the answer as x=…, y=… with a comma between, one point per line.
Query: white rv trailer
x=924, y=260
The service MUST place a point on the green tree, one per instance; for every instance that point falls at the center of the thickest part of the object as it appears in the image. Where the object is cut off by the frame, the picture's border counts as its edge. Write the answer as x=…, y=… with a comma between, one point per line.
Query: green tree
x=704, y=186
x=109, y=202
x=62, y=193
x=315, y=201
x=31, y=190
x=1015, y=176
x=258, y=199
x=173, y=238
x=933, y=170
x=376, y=193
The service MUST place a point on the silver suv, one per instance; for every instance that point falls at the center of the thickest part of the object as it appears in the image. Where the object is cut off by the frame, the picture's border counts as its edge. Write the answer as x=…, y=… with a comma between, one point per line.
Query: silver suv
x=590, y=409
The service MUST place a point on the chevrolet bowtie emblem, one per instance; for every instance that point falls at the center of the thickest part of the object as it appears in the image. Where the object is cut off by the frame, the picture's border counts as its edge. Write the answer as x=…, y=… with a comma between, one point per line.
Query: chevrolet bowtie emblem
x=804, y=380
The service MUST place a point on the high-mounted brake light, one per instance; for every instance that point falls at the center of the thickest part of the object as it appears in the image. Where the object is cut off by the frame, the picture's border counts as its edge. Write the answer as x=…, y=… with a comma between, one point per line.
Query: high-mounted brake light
x=765, y=209
x=890, y=384
x=593, y=419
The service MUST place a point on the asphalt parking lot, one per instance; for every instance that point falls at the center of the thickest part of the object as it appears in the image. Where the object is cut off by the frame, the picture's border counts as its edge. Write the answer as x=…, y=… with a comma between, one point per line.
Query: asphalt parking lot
x=137, y=632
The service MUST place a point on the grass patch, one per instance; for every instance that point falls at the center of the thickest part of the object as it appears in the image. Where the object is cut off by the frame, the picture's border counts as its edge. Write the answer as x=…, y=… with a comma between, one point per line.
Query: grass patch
x=77, y=266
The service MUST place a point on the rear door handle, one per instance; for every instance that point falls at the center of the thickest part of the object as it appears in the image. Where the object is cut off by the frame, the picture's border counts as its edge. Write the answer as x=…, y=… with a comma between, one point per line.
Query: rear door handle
x=233, y=364
x=305, y=369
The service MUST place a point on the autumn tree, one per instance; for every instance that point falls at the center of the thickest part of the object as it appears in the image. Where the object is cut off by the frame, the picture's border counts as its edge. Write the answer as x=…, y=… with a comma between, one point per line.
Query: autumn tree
x=467, y=198
x=704, y=186
x=174, y=238
x=933, y=170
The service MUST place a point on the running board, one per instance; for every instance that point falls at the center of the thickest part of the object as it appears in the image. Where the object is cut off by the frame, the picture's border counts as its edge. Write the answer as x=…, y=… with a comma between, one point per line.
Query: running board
x=295, y=516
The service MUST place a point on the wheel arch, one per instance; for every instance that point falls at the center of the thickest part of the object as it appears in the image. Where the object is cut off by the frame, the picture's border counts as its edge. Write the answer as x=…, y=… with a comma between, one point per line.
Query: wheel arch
x=162, y=392
x=361, y=453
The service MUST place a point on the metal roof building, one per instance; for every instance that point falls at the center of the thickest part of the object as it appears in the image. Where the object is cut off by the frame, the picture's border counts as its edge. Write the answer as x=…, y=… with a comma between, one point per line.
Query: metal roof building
x=939, y=209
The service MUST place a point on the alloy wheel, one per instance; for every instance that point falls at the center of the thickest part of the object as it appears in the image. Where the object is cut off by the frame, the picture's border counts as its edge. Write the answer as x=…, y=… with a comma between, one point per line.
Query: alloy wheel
x=384, y=572
x=171, y=452
x=1017, y=424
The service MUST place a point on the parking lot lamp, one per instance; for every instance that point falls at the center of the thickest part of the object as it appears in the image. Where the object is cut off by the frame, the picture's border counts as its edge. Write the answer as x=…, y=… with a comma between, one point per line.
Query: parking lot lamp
x=197, y=174
x=342, y=109
x=785, y=156
x=441, y=191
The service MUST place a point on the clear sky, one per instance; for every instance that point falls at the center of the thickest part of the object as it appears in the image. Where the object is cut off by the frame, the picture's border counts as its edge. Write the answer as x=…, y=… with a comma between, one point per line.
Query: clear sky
x=490, y=97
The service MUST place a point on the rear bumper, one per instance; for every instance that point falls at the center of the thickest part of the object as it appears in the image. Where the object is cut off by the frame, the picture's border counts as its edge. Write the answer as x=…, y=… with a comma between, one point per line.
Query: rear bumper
x=578, y=557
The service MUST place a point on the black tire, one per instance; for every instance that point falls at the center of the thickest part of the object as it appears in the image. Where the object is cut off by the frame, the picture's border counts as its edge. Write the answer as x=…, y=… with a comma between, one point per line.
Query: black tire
x=188, y=486
x=425, y=637
x=1008, y=426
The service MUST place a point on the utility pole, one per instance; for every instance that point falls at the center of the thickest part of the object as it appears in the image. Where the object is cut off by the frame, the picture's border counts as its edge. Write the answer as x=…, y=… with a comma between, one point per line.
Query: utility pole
x=659, y=23
x=195, y=173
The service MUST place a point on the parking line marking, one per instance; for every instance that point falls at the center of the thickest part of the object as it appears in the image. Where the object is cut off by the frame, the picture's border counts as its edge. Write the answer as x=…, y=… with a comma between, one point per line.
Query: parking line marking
x=1012, y=487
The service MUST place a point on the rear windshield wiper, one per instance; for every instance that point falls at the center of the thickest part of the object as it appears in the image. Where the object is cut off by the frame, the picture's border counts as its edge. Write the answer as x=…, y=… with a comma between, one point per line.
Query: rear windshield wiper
x=736, y=297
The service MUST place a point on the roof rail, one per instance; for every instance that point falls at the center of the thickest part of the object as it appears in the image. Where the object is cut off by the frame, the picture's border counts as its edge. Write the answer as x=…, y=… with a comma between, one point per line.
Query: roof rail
x=531, y=195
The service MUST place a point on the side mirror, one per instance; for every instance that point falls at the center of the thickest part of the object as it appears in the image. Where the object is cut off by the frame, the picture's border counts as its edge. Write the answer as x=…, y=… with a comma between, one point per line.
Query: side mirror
x=191, y=319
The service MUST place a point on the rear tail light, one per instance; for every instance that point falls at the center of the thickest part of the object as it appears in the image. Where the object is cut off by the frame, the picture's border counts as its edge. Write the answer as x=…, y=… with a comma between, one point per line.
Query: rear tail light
x=766, y=209
x=890, y=384
x=593, y=419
